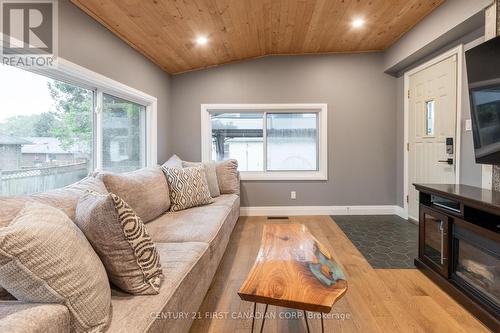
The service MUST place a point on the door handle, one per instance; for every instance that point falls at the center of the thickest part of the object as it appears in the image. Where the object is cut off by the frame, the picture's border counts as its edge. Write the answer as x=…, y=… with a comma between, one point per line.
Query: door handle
x=443, y=234
x=449, y=161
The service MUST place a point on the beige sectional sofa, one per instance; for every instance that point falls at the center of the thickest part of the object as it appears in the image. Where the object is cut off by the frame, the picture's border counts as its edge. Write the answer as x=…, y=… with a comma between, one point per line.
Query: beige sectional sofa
x=191, y=244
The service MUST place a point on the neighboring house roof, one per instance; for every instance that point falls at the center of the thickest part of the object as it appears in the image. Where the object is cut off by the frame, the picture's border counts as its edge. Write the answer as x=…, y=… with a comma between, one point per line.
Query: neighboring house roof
x=12, y=140
x=41, y=145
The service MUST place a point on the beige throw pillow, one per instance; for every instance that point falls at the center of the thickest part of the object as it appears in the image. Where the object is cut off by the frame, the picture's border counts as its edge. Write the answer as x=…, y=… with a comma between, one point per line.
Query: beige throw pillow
x=188, y=187
x=173, y=162
x=45, y=258
x=122, y=242
x=145, y=190
x=210, y=173
x=228, y=177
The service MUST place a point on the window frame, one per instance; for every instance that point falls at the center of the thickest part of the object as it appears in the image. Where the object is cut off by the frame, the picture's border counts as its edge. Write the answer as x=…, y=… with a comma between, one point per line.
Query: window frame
x=320, y=108
x=72, y=73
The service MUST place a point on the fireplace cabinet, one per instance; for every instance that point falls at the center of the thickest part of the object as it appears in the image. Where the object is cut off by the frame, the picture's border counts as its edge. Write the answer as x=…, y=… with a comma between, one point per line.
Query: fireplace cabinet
x=459, y=246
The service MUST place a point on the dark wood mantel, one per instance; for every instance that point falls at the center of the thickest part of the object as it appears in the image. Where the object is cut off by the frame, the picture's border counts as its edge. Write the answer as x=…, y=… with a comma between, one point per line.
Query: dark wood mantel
x=473, y=196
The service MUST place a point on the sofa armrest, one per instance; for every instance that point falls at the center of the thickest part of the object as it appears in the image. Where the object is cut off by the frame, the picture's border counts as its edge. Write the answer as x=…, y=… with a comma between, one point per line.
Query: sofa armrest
x=19, y=317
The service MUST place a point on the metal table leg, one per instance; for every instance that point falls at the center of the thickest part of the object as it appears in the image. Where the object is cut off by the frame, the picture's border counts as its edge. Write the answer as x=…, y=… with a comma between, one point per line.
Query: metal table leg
x=253, y=318
x=263, y=319
x=307, y=323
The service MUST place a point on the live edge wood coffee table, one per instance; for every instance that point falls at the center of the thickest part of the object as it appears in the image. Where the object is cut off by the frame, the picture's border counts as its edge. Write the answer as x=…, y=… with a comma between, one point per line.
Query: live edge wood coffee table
x=293, y=270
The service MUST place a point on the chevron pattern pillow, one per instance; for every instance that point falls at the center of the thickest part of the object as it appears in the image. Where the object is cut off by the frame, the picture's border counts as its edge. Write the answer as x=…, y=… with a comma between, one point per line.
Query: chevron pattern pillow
x=188, y=187
x=122, y=242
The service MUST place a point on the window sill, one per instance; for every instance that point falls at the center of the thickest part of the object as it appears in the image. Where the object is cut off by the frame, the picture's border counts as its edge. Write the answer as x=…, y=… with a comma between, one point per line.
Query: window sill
x=283, y=175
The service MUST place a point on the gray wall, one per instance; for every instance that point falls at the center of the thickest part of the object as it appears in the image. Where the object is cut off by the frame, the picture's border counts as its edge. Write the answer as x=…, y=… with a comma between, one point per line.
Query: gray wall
x=450, y=21
x=361, y=122
x=87, y=43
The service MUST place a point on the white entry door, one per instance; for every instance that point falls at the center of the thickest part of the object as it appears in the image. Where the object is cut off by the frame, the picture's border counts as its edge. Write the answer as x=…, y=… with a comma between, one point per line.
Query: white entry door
x=432, y=128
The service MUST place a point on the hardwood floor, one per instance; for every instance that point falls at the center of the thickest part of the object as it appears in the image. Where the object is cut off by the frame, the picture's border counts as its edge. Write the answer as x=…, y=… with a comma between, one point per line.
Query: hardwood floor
x=377, y=300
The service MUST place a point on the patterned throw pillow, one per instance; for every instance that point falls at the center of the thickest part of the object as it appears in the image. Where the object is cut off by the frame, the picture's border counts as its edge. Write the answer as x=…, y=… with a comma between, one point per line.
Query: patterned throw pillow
x=122, y=242
x=45, y=258
x=188, y=187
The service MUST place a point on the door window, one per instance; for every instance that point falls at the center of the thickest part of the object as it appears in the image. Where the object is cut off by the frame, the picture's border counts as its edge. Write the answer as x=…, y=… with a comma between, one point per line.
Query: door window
x=429, y=118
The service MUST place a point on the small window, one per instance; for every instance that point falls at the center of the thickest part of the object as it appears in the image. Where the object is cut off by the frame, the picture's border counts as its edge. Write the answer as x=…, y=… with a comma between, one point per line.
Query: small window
x=270, y=142
x=429, y=118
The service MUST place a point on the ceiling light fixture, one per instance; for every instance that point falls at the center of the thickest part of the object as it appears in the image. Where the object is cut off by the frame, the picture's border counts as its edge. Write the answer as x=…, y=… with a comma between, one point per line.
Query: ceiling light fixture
x=202, y=40
x=357, y=23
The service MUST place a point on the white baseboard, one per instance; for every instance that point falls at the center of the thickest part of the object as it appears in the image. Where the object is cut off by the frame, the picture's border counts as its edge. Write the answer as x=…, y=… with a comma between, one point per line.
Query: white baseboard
x=401, y=212
x=322, y=210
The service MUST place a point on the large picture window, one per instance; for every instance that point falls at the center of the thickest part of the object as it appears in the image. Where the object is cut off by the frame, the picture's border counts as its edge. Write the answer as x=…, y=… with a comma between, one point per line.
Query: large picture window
x=56, y=128
x=271, y=141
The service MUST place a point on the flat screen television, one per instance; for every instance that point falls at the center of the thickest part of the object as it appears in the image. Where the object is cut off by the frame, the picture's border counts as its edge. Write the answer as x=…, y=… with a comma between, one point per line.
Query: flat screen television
x=483, y=74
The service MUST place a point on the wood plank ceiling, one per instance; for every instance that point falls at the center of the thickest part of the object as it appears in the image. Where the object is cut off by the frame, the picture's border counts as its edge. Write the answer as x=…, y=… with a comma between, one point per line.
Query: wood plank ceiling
x=165, y=31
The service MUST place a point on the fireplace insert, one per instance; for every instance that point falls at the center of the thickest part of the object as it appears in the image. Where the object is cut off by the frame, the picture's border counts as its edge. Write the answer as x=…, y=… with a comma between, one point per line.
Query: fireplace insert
x=476, y=263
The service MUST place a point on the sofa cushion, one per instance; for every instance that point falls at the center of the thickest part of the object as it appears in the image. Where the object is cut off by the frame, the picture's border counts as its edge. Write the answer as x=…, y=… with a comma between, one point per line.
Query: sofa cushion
x=45, y=258
x=188, y=187
x=226, y=200
x=210, y=173
x=122, y=242
x=199, y=224
x=188, y=273
x=19, y=317
x=64, y=198
x=220, y=241
x=209, y=224
x=145, y=190
x=228, y=177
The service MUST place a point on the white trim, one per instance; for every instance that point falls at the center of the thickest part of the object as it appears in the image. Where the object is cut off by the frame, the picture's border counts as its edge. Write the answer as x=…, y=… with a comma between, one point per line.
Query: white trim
x=152, y=134
x=98, y=130
x=321, y=174
x=401, y=212
x=459, y=53
x=320, y=210
x=69, y=71
x=78, y=75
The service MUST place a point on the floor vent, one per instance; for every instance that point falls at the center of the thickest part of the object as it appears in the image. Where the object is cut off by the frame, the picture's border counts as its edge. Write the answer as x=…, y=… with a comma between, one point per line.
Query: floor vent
x=277, y=217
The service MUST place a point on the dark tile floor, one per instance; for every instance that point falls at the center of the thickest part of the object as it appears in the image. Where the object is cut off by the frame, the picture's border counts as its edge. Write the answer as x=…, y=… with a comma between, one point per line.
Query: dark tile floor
x=386, y=241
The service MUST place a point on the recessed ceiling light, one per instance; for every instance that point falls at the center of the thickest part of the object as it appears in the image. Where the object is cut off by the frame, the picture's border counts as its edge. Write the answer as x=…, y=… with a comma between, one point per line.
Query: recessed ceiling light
x=202, y=40
x=358, y=23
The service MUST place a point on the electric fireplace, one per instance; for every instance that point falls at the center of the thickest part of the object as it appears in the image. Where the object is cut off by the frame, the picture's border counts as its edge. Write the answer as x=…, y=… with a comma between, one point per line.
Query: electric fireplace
x=476, y=263
x=459, y=246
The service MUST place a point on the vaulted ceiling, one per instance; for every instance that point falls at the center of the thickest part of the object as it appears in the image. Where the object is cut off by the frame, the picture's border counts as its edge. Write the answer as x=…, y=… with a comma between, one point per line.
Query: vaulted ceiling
x=165, y=31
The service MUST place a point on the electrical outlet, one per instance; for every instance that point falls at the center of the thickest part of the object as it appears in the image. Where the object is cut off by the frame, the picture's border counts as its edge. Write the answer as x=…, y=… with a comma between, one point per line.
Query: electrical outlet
x=293, y=195
x=468, y=125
